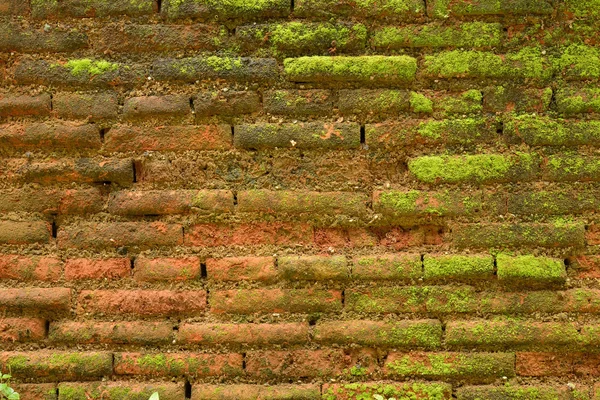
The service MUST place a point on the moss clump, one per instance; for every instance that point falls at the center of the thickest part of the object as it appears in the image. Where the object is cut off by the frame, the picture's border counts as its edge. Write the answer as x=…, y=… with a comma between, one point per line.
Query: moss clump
x=444, y=8
x=420, y=104
x=463, y=131
x=579, y=61
x=530, y=270
x=392, y=9
x=444, y=203
x=572, y=168
x=85, y=66
x=586, y=100
x=469, y=102
x=299, y=37
x=458, y=268
x=223, y=63
x=584, y=8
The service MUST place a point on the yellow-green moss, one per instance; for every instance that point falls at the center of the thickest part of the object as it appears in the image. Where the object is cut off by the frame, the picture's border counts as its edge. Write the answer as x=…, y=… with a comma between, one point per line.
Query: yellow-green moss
x=458, y=267
x=85, y=66
x=530, y=269
x=420, y=104
x=579, y=61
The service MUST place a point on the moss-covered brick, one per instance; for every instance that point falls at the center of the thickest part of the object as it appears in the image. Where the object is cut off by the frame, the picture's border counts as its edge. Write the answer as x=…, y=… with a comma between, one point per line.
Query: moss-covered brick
x=192, y=69
x=227, y=104
x=15, y=38
x=530, y=271
x=511, y=333
x=397, y=204
x=419, y=103
x=303, y=38
x=570, y=101
x=468, y=102
x=368, y=391
x=400, y=267
x=458, y=268
x=536, y=392
x=401, y=334
x=313, y=268
x=233, y=391
x=506, y=235
x=571, y=167
x=90, y=8
x=527, y=63
x=476, y=169
x=543, y=202
x=178, y=364
x=579, y=62
x=298, y=103
x=119, y=391
x=234, y=10
x=301, y=135
x=545, y=131
x=583, y=9
x=473, y=367
x=394, y=10
x=509, y=98
x=361, y=69
x=378, y=102
x=447, y=8
x=468, y=34
x=14, y=7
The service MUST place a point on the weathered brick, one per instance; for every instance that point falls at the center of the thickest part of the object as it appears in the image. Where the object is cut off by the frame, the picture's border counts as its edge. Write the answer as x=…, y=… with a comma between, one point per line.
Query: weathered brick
x=360, y=237
x=396, y=204
x=24, y=105
x=89, y=268
x=236, y=11
x=49, y=365
x=24, y=232
x=241, y=269
x=164, y=108
x=302, y=135
x=128, y=332
x=401, y=334
x=544, y=131
x=298, y=103
x=13, y=38
x=508, y=98
x=417, y=391
x=166, y=269
x=251, y=392
x=95, y=107
x=91, y=8
x=373, y=101
x=22, y=329
x=592, y=235
x=571, y=167
x=163, y=202
x=579, y=62
x=586, y=266
x=14, y=7
x=168, y=138
x=445, y=8
x=27, y=268
x=66, y=136
x=313, y=268
x=98, y=235
x=209, y=334
x=250, y=301
x=35, y=391
x=120, y=390
x=212, y=68
x=454, y=104
x=142, y=302
x=570, y=101
x=44, y=301
x=81, y=170
x=274, y=233
x=530, y=271
x=544, y=364
x=542, y=202
x=392, y=70
x=511, y=392
x=477, y=168
x=227, y=104
x=397, y=267
x=404, y=10
x=401, y=238
x=506, y=235
x=177, y=364
x=444, y=268
x=473, y=367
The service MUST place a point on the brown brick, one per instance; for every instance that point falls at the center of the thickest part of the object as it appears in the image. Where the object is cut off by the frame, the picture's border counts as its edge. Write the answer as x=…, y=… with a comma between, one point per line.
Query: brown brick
x=412, y=390
x=241, y=269
x=68, y=137
x=80, y=201
x=210, y=334
x=86, y=268
x=400, y=267
x=586, y=266
x=592, y=235
x=26, y=268
x=232, y=12
x=95, y=107
x=507, y=98
x=81, y=170
x=252, y=392
x=23, y=105
x=313, y=268
x=542, y=202
x=162, y=202
x=400, y=238
x=401, y=204
x=22, y=329
x=373, y=102
x=237, y=69
x=142, y=302
x=13, y=7
x=126, y=332
x=250, y=301
x=274, y=233
x=115, y=390
x=544, y=364
x=227, y=104
x=13, y=232
x=166, y=269
x=163, y=108
x=35, y=391
x=14, y=38
x=298, y=103
x=344, y=237
x=510, y=391
x=93, y=8
x=443, y=9
x=384, y=10
x=45, y=301
x=177, y=364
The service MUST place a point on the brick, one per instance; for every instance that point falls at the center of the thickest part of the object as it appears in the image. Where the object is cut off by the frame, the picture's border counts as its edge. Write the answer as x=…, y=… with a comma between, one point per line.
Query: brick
x=35, y=391
x=477, y=168
x=13, y=38
x=94, y=107
x=569, y=168
x=511, y=392
x=397, y=204
x=542, y=202
x=259, y=233
x=391, y=70
x=164, y=202
x=463, y=103
x=401, y=238
x=313, y=268
x=146, y=303
x=177, y=364
x=25, y=232
x=251, y=301
x=81, y=170
x=586, y=267
x=302, y=135
x=508, y=98
x=506, y=235
x=530, y=271
x=116, y=390
x=586, y=364
x=26, y=268
x=166, y=269
x=98, y=235
x=544, y=364
x=378, y=102
x=233, y=269
x=235, y=335
x=298, y=103
x=452, y=268
x=164, y=108
x=544, y=131
x=168, y=138
x=417, y=391
x=13, y=7
x=227, y=104
x=49, y=365
x=579, y=62
x=472, y=367
x=401, y=334
x=250, y=392
x=405, y=10
x=239, y=69
x=444, y=8
x=69, y=137
x=78, y=73
x=467, y=34
x=127, y=332
x=236, y=11
x=592, y=234
x=23, y=105
x=85, y=268
x=93, y=8
x=357, y=237
x=396, y=267
x=43, y=301
x=22, y=329
x=572, y=101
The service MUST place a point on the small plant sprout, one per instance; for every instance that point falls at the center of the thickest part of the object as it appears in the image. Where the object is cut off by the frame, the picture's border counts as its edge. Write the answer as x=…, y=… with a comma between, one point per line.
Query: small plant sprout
x=6, y=392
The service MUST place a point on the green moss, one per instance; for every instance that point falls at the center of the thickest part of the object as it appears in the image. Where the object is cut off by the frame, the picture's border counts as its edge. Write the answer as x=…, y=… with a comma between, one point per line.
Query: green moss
x=398, y=203
x=17, y=363
x=464, y=130
x=400, y=391
x=304, y=36
x=223, y=63
x=469, y=102
x=585, y=100
x=579, y=61
x=85, y=66
x=584, y=8
x=457, y=267
x=528, y=270
x=420, y=104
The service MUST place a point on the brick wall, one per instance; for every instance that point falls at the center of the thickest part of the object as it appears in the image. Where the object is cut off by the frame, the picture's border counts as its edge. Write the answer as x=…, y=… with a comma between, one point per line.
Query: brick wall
x=300, y=199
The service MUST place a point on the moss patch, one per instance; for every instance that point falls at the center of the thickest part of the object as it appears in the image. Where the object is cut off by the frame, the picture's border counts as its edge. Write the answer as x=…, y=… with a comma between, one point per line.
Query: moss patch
x=530, y=270
x=85, y=66
x=458, y=268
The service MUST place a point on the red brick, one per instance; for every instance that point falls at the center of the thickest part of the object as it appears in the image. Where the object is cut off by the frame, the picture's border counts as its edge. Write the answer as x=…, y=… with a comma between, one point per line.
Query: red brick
x=24, y=232
x=23, y=105
x=586, y=364
x=586, y=267
x=92, y=235
x=250, y=301
x=166, y=269
x=227, y=104
x=14, y=7
x=592, y=235
x=126, y=332
x=163, y=108
x=142, y=302
x=82, y=170
x=242, y=269
x=398, y=267
x=299, y=102
x=35, y=391
x=177, y=364
x=344, y=237
x=544, y=364
x=253, y=392
x=168, y=138
x=259, y=233
x=208, y=334
x=25, y=268
x=400, y=238
x=95, y=107
x=48, y=137
x=46, y=301
x=83, y=201
x=91, y=9
x=162, y=202
x=116, y=390
x=22, y=329
x=313, y=268
x=86, y=268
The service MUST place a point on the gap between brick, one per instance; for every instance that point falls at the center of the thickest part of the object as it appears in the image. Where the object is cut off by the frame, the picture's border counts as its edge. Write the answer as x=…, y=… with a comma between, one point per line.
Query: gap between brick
x=187, y=387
